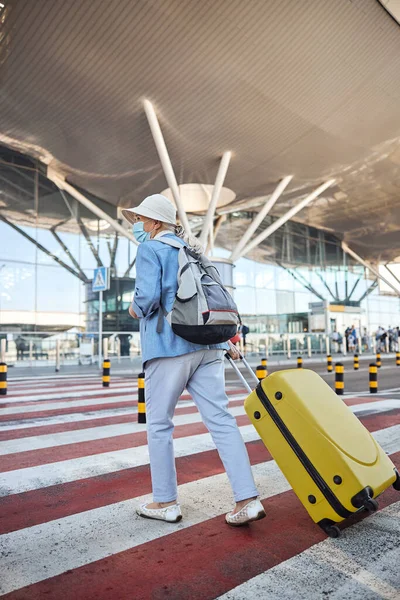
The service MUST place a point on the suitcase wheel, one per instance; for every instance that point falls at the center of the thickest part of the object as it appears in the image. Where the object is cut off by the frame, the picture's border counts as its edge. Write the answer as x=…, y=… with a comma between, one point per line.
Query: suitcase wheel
x=333, y=531
x=330, y=528
x=396, y=484
x=371, y=505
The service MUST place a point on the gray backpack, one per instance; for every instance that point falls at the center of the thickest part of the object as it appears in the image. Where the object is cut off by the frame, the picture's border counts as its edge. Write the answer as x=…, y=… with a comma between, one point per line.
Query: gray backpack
x=203, y=311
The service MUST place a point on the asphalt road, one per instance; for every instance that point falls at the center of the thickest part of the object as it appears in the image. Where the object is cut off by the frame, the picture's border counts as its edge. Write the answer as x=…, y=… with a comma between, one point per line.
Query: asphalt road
x=354, y=381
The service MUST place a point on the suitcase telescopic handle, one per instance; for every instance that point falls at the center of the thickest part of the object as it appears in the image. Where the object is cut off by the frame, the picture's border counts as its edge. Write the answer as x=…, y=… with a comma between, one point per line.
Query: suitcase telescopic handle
x=238, y=373
x=248, y=367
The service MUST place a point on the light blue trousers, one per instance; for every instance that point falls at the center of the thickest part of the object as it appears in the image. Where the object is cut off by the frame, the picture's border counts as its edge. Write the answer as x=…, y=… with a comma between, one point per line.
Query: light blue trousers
x=202, y=374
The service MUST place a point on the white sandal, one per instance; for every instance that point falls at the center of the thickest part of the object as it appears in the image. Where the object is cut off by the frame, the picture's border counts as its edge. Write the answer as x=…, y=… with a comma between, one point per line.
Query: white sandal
x=252, y=511
x=171, y=514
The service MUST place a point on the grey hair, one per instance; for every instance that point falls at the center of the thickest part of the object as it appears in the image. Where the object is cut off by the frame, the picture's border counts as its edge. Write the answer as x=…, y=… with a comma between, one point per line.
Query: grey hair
x=191, y=240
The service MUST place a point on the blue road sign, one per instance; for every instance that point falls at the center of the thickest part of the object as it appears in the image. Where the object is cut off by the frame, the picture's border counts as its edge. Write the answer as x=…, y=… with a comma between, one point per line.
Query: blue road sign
x=101, y=279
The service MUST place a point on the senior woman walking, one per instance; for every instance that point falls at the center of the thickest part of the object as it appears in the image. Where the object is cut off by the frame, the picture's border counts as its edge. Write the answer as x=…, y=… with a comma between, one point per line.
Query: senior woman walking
x=172, y=364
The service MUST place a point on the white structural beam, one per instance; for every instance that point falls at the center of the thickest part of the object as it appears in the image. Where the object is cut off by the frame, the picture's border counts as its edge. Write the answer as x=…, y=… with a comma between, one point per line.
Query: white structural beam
x=165, y=162
x=392, y=274
x=290, y=213
x=60, y=182
x=368, y=265
x=261, y=216
x=219, y=182
x=211, y=241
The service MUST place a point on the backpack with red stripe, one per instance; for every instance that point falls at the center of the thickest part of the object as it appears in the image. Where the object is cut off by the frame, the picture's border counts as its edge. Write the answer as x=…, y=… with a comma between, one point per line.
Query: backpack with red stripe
x=203, y=312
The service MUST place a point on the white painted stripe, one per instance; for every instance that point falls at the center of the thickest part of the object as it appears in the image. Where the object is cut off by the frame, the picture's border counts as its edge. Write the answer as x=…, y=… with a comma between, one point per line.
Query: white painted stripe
x=367, y=408
x=314, y=572
x=95, y=534
x=57, y=377
x=68, y=393
x=47, y=393
x=367, y=392
x=22, y=410
x=131, y=372
x=33, y=381
x=40, y=407
x=76, y=417
x=93, y=433
x=370, y=408
x=31, y=478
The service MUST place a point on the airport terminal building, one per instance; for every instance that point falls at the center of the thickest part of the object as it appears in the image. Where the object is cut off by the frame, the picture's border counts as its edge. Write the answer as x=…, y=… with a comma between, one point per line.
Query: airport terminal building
x=285, y=161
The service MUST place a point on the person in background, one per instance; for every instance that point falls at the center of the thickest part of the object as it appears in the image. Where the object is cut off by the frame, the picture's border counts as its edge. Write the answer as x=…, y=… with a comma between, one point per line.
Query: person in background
x=244, y=331
x=353, y=333
x=346, y=335
x=172, y=364
x=383, y=340
x=364, y=340
x=351, y=341
x=337, y=338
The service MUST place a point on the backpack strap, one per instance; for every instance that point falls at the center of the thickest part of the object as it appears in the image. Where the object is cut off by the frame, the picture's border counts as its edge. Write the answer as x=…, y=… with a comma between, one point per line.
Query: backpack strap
x=174, y=243
x=161, y=311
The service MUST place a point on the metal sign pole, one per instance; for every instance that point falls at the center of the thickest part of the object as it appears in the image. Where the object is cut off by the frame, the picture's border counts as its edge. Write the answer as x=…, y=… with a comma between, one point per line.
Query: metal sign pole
x=100, y=327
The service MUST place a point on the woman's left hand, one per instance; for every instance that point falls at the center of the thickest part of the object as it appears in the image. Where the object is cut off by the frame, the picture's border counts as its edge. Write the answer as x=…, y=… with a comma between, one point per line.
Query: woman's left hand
x=132, y=313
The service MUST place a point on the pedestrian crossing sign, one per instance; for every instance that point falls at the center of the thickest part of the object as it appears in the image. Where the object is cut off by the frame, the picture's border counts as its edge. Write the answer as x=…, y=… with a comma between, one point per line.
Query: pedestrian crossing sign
x=101, y=279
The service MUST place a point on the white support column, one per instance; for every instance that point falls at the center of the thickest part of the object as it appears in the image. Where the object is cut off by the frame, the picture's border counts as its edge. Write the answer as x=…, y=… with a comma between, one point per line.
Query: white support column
x=30, y=352
x=282, y=220
x=374, y=344
x=3, y=346
x=321, y=347
x=260, y=216
x=327, y=345
x=288, y=349
x=219, y=182
x=387, y=344
x=118, y=343
x=100, y=345
x=266, y=346
x=211, y=242
x=165, y=162
x=309, y=353
x=57, y=355
x=366, y=264
x=60, y=182
x=105, y=348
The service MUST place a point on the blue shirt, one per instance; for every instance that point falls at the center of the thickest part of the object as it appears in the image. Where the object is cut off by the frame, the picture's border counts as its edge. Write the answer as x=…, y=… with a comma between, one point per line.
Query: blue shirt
x=157, y=284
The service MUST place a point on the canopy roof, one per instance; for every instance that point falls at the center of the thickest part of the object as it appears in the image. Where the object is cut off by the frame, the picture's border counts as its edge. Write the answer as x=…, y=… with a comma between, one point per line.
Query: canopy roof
x=309, y=88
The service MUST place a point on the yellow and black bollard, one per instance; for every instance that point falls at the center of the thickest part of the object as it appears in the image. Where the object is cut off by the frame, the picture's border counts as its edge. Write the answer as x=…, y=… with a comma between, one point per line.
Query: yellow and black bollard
x=397, y=359
x=373, y=378
x=329, y=363
x=264, y=362
x=339, y=379
x=299, y=362
x=3, y=379
x=106, y=372
x=261, y=372
x=356, y=362
x=141, y=399
x=378, y=360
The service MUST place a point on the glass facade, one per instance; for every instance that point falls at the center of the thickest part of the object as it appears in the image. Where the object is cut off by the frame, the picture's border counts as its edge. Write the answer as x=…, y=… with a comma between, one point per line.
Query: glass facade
x=36, y=294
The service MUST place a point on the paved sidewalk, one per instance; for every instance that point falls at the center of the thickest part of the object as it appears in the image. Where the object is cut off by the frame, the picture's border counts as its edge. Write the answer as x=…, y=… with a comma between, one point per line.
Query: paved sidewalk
x=130, y=366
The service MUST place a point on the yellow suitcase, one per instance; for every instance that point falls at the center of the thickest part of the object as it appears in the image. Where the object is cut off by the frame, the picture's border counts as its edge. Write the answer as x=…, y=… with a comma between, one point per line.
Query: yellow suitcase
x=330, y=459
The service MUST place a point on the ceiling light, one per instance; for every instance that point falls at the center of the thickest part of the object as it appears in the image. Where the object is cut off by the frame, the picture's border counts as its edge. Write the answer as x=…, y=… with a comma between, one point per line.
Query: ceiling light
x=97, y=224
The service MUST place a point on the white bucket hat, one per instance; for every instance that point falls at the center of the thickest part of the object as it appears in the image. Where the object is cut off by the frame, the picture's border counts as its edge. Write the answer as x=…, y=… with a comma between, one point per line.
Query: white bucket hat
x=156, y=207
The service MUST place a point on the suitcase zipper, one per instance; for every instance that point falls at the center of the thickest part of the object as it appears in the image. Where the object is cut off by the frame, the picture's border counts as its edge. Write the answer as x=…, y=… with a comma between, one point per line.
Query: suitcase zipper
x=301, y=455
